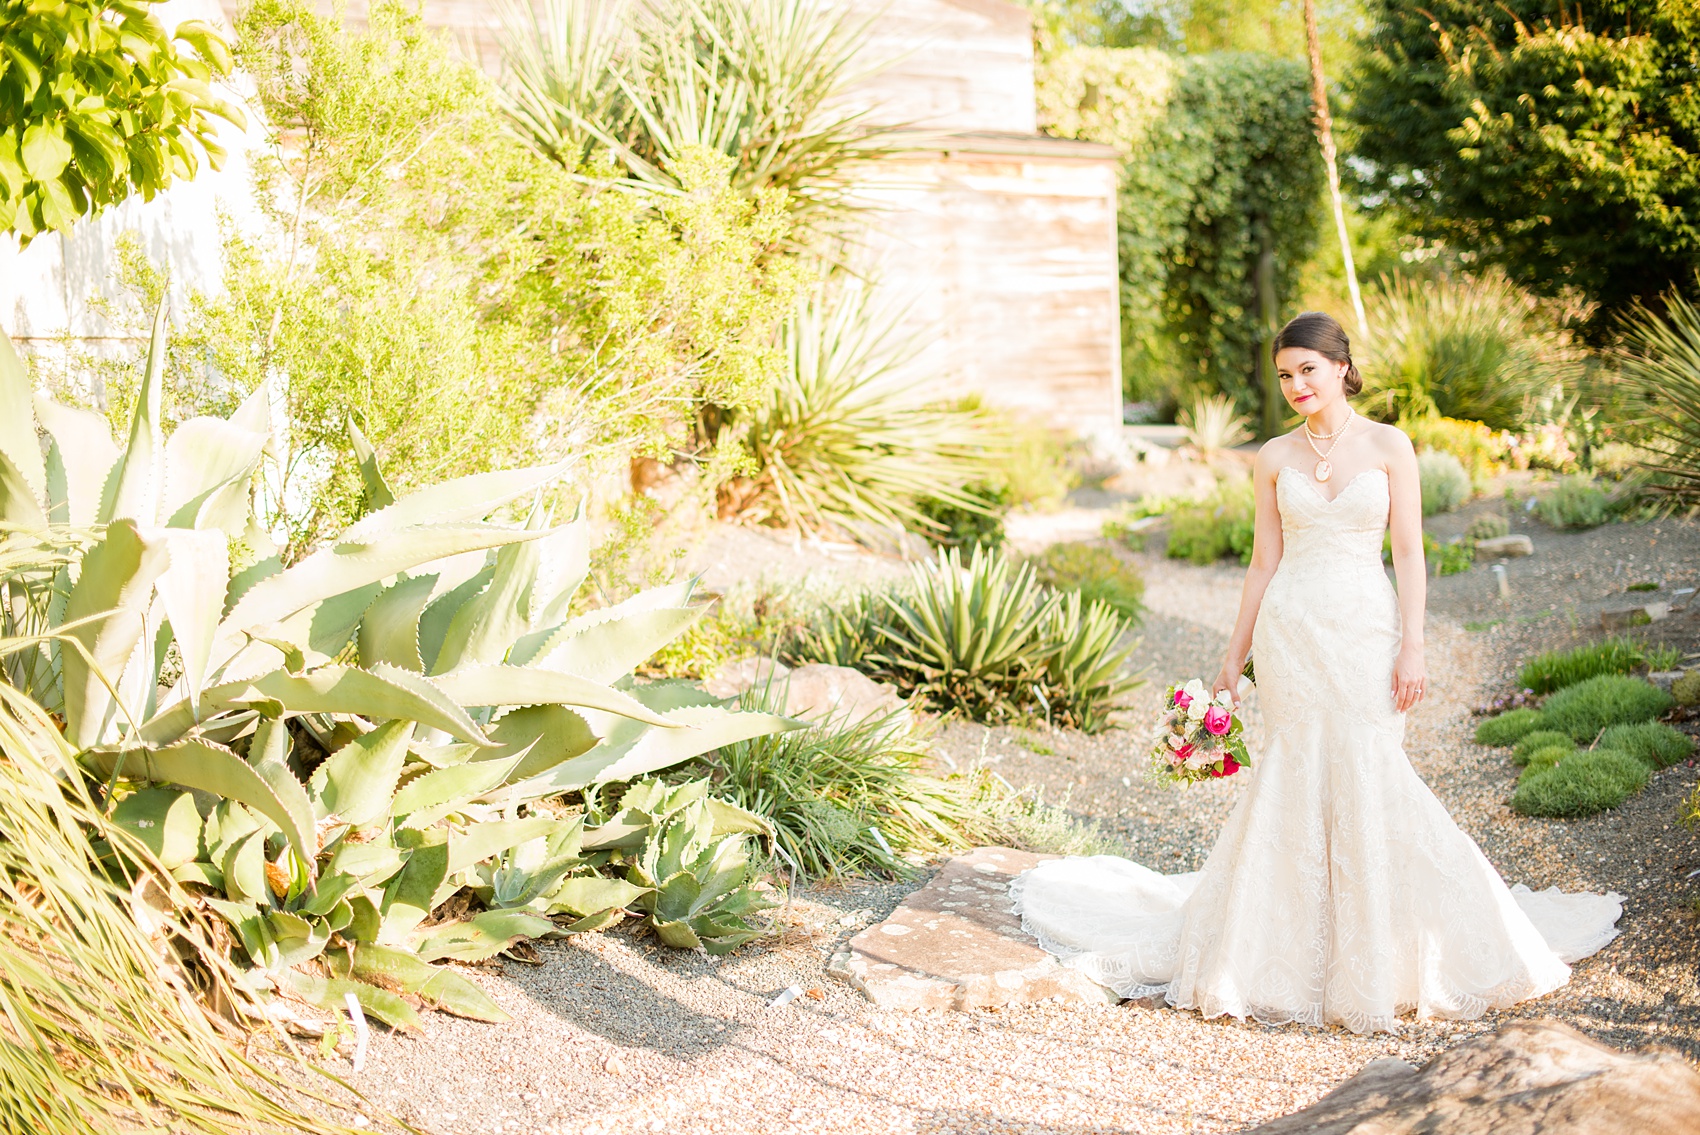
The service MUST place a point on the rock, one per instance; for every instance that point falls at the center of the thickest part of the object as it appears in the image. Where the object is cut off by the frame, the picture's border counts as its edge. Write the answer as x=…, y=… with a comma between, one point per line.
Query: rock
x=1529, y=1077
x=1628, y=617
x=955, y=944
x=1686, y=689
x=1504, y=547
x=736, y=676
x=821, y=692
x=817, y=691
x=1664, y=679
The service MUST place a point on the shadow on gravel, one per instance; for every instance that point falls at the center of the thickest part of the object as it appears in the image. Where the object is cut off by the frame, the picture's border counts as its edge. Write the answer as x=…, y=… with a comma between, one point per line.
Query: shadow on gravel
x=601, y=998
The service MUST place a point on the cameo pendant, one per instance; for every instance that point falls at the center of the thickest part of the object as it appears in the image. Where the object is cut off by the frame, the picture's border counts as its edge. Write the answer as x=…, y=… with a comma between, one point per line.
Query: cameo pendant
x=1324, y=470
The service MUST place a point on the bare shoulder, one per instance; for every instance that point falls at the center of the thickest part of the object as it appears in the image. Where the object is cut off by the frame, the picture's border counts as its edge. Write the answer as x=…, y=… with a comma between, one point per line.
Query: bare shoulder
x=1392, y=443
x=1276, y=452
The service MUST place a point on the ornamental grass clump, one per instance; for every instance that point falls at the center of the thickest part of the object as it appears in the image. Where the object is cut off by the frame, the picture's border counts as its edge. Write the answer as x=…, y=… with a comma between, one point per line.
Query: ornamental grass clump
x=1656, y=744
x=846, y=798
x=1509, y=728
x=1534, y=742
x=1579, y=784
x=1589, y=706
x=1557, y=669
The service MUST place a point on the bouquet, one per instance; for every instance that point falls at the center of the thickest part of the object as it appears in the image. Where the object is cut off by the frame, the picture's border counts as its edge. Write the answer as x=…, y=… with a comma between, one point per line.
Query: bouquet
x=1199, y=736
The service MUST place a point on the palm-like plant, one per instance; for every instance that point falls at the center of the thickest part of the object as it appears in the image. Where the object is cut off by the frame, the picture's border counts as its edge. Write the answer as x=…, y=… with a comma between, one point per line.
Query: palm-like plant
x=1661, y=364
x=760, y=81
x=845, y=439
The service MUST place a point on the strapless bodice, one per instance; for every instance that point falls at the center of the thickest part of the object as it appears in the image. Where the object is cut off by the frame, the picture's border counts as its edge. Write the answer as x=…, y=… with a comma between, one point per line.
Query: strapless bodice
x=1322, y=533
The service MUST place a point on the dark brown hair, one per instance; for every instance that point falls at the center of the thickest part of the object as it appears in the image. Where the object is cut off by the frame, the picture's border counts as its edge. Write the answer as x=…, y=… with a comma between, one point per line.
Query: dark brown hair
x=1320, y=332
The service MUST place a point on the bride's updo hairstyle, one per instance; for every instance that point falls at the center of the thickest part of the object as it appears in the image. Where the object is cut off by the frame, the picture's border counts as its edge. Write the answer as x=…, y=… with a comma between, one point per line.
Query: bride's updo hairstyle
x=1320, y=332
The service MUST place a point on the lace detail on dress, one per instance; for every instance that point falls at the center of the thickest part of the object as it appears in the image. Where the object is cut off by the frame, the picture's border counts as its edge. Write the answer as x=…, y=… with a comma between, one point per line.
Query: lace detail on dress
x=1340, y=890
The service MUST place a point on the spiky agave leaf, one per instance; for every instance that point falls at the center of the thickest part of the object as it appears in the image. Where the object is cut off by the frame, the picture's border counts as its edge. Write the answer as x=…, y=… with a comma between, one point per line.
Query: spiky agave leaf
x=1661, y=363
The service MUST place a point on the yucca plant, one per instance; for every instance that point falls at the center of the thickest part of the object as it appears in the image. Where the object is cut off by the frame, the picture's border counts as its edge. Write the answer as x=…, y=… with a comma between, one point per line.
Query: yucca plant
x=1213, y=424
x=969, y=636
x=1660, y=363
x=1087, y=679
x=425, y=669
x=845, y=439
x=761, y=81
x=100, y=1035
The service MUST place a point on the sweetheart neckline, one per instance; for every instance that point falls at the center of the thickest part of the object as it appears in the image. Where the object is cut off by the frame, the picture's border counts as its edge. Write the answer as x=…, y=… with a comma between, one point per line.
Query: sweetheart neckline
x=1317, y=493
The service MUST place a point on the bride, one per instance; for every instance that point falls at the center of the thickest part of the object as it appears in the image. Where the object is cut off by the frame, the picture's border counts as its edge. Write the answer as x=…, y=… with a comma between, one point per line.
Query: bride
x=1340, y=891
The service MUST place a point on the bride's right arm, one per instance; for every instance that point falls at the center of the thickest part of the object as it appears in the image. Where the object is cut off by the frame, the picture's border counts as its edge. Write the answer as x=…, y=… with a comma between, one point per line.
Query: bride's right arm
x=1265, y=558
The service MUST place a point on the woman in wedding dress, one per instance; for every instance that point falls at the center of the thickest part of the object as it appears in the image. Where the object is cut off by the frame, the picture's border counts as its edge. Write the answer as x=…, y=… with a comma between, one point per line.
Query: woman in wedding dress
x=1340, y=891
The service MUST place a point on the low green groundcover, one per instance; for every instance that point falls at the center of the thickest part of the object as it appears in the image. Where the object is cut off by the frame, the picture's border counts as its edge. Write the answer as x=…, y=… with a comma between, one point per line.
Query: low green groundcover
x=1538, y=740
x=1658, y=746
x=1546, y=756
x=1587, y=707
x=1579, y=784
x=1508, y=728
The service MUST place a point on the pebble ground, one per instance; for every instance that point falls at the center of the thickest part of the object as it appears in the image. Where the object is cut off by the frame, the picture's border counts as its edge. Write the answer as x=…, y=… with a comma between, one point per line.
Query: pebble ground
x=612, y=1035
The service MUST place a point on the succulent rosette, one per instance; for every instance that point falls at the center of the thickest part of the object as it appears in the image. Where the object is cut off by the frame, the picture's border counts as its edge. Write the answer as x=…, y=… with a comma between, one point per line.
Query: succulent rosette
x=1199, y=737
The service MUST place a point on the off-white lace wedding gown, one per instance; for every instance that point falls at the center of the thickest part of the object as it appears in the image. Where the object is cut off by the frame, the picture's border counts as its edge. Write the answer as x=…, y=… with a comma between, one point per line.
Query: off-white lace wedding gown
x=1340, y=890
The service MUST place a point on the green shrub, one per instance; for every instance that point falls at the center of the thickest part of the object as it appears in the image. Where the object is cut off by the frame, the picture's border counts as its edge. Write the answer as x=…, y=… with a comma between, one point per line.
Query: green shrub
x=1094, y=570
x=1036, y=471
x=846, y=799
x=1580, y=784
x=1589, y=706
x=1489, y=527
x=740, y=624
x=1539, y=739
x=1657, y=744
x=1445, y=484
x=1686, y=689
x=1576, y=502
x=954, y=526
x=1026, y=820
x=1662, y=656
x=1556, y=669
x=1453, y=558
x=1222, y=524
x=1509, y=728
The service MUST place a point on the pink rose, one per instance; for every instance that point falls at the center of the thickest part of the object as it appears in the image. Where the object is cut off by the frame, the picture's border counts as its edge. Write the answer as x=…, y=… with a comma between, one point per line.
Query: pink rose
x=1183, y=699
x=1229, y=767
x=1217, y=720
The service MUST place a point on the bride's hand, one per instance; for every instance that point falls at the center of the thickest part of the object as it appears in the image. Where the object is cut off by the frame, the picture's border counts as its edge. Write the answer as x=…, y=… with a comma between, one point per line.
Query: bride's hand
x=1227, y=680
x=1409, y=678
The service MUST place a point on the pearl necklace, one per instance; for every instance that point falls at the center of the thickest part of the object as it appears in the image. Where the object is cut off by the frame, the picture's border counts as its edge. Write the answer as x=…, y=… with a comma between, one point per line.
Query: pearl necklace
x=1324, y=469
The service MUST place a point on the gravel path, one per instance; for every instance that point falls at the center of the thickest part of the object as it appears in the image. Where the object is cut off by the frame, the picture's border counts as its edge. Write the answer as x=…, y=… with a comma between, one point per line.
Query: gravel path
x=612, y=1035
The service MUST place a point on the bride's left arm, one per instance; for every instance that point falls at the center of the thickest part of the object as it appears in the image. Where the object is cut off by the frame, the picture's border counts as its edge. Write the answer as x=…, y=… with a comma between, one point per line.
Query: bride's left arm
x=1405, y=523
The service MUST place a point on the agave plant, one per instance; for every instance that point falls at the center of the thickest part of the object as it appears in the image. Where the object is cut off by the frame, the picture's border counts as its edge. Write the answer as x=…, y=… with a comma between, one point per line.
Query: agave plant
x=761, y=81
x=1086, y=679
x=845, y=439
x=336, y=746
x=1661, y=364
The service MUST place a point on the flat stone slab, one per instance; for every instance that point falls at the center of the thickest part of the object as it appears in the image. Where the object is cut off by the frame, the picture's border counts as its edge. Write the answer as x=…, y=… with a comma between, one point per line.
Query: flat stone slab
x=1503, y=547
x=954, y=944
x=1529, y=1078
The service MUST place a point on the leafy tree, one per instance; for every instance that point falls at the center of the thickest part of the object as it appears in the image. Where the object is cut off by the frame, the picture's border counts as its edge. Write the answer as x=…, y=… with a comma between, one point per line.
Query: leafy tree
x=97, y=102
x=1559, y=142
x=1220, y=164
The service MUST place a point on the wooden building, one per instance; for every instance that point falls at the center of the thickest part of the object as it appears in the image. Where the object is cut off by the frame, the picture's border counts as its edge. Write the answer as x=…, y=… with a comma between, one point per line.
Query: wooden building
x=1000, y=243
